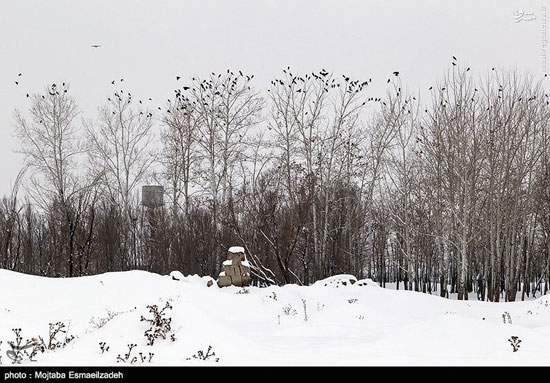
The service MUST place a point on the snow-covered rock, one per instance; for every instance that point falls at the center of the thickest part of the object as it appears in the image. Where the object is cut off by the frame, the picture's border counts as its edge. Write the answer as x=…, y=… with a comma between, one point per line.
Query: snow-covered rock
x=177, y=275
x=367, y=282
x=236, y=249
x=341, y=280
x=235, y=269
x=192, y=279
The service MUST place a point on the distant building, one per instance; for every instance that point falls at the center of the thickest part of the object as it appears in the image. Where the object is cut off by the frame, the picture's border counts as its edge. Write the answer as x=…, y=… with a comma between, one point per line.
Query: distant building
x=152, y=196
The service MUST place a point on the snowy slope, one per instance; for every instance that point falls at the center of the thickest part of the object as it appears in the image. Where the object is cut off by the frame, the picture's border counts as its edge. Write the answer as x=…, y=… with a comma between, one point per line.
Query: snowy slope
x=348, y=325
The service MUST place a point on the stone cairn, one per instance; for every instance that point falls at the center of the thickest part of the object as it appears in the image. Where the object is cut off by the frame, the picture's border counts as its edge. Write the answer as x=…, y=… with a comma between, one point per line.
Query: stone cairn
x=236, y=269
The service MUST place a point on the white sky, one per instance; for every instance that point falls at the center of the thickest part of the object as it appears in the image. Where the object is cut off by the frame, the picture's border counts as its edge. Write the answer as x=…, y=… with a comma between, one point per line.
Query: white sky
x=149, y=42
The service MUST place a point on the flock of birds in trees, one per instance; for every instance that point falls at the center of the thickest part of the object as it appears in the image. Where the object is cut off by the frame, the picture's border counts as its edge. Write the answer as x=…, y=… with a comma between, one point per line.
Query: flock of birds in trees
x=230, y=85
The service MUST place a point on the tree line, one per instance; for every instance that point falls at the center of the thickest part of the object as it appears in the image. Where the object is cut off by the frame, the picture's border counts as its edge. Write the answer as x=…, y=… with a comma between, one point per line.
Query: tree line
x=314, y=177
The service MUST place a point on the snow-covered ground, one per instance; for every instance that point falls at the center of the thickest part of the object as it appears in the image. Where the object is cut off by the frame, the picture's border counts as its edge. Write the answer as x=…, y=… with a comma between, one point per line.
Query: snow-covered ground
x=473, y=295
x=346, y=325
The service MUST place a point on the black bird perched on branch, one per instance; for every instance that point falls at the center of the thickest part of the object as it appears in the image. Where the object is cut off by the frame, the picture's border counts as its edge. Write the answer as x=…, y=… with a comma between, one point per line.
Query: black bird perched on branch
x=454, y=58
x=16, y=83
x=389, y=81
x=177, y=78
x=113, y=82
x=396, y=73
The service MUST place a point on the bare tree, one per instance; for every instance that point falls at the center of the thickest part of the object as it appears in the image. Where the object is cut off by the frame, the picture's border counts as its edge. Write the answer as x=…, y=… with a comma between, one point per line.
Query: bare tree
x=121, y=154
x=227, y=107
x=455, y=135
x=450, y=195
x=400, y=115
x=516, y=119
x=179, y=156
x=51, y=143
x=121, y=150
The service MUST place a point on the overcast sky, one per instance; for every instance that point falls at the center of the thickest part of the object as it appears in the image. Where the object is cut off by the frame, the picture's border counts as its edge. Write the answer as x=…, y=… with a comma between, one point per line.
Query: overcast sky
x=149, y=42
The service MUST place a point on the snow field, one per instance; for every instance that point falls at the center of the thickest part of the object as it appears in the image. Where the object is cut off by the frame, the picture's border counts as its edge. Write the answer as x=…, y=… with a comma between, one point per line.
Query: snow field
x=346, y=325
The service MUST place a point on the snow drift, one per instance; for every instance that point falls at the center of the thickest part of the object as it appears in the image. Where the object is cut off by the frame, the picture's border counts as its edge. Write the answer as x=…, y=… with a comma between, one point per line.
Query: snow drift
x=353, y=324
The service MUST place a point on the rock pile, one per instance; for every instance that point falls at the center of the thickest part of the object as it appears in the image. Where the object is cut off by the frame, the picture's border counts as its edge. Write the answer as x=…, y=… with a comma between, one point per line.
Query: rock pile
x=236, y=269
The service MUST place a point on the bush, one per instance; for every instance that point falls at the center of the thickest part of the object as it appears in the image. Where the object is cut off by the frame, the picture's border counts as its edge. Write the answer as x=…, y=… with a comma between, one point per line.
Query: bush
x=55, y=330
x=19, y=351
x=103, y=347
x=288, y=310
x=128, y=358
x=514, y=342
x=161, y=326
x=208, y=355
